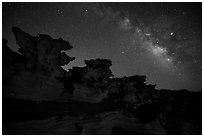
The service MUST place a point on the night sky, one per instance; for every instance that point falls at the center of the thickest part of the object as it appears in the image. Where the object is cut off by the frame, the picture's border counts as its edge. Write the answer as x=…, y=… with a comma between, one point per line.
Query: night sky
x=160, y=40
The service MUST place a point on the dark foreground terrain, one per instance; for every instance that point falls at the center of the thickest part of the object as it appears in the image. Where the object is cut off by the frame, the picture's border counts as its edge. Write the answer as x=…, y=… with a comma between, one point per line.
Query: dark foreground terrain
x=41, y=98
x=107, y=117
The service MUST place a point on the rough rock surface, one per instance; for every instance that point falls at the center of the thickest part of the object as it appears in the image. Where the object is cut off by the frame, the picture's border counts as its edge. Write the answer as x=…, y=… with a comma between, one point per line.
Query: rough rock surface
x=39, y=97
x=89, y=83
x=32, y=74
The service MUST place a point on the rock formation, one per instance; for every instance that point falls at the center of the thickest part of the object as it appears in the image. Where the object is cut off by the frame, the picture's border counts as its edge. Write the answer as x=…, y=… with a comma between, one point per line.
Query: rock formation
x=33, y=73
x=39, y=97
x=89, y=83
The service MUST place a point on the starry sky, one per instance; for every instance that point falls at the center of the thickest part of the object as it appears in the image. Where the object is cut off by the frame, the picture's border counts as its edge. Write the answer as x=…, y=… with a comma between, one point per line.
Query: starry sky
x=160, y=40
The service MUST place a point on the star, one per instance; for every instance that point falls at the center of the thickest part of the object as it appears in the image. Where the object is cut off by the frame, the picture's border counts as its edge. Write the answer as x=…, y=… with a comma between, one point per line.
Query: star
x=60, y=12
x=168, y=59
x=148, y=34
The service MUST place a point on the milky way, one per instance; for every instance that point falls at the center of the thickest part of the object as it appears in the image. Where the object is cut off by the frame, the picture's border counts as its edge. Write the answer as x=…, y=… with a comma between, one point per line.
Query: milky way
x=160, y=40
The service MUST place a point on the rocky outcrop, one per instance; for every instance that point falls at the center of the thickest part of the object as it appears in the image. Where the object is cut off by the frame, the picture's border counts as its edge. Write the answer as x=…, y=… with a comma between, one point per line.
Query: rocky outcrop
x=89, y=83
x=132, y=89
x=39, y=76
x=32, y=73
x=39, y=97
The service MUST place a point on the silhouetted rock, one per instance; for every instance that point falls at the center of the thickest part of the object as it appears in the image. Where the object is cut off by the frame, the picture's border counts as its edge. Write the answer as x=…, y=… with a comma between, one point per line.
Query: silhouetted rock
x=32, y=74
x=39, y=97
x=89, y=83
x=11, y=62
x=133, y=89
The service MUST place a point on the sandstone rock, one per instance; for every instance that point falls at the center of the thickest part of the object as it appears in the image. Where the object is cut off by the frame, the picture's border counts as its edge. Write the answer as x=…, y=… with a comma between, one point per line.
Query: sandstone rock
x=89, y=83
x=32, y=74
